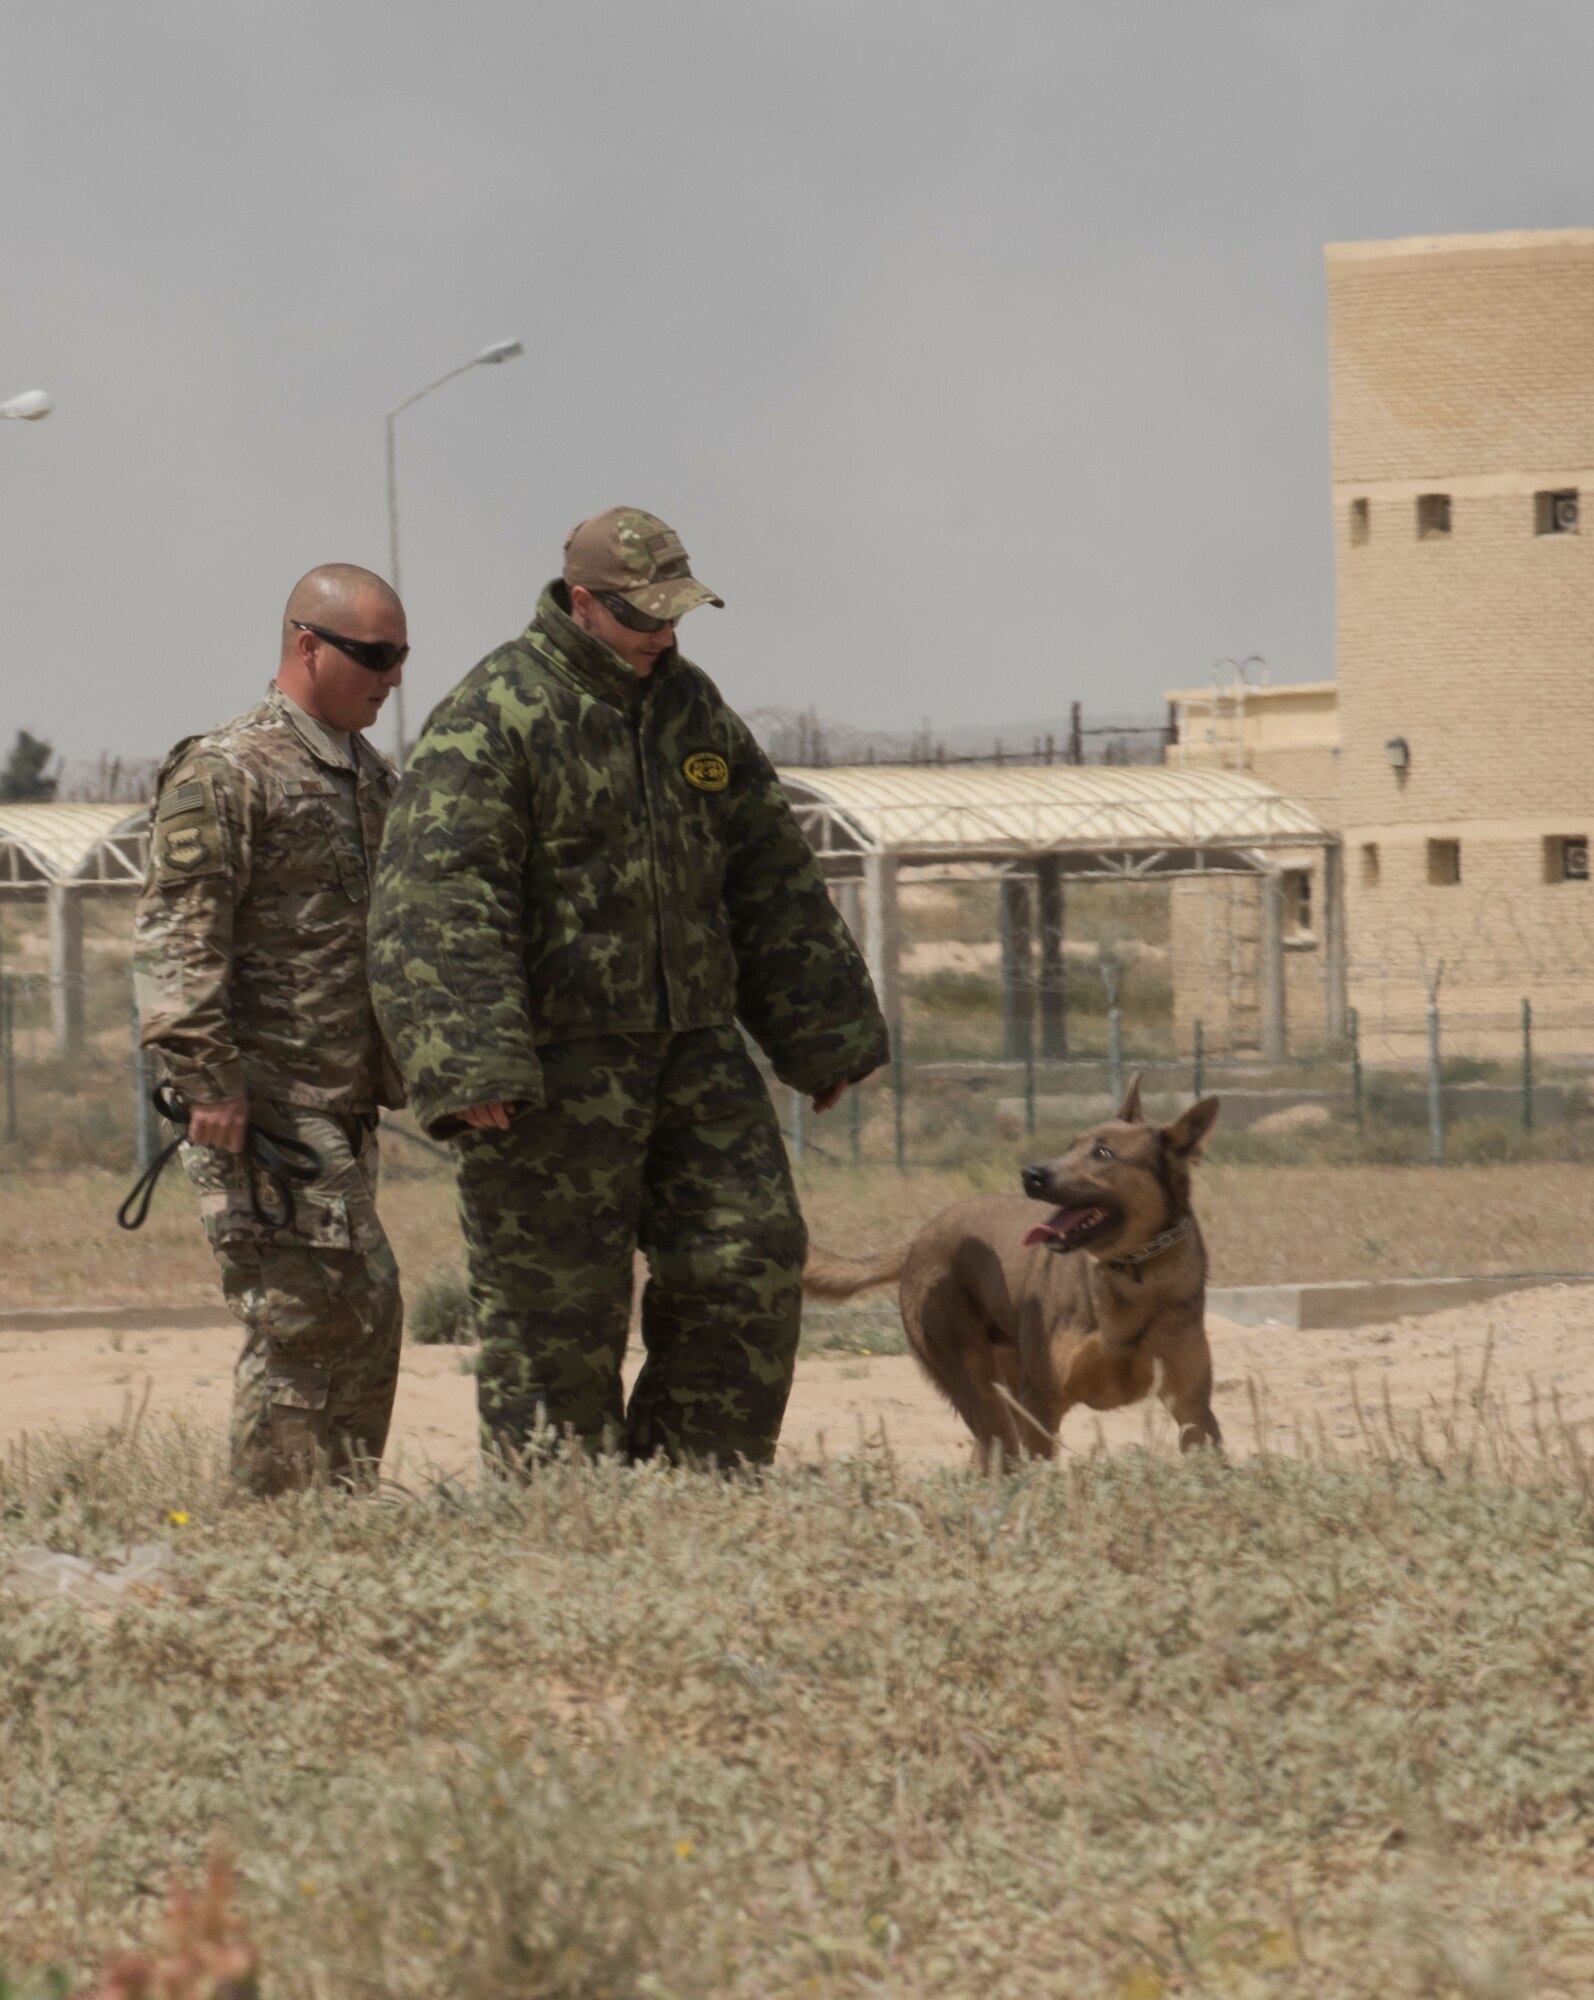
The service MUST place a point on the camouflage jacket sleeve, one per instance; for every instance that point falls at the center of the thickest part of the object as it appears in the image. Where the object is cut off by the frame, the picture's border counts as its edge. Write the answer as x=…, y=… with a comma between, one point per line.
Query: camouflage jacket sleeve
x=447, y=975
x=199, y=863
x=803, y=991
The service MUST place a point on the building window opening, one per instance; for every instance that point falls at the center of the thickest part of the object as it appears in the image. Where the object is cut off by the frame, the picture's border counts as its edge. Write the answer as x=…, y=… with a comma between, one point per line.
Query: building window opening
x=1555, y=513
x=1444, y=863
x=1566, y=857
x=1369, y=864
x=1297, y=887
x=1433, y=516
x=1359, y=522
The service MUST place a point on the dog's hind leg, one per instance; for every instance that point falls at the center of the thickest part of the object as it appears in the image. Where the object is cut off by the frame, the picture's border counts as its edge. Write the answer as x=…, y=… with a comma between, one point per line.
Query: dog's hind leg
x=950, y=1339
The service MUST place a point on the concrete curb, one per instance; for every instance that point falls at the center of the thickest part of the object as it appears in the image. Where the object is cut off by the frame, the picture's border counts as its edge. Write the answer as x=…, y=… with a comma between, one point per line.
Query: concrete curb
x=115, y=1319
x=1352, y=1302
x=1370, y=1301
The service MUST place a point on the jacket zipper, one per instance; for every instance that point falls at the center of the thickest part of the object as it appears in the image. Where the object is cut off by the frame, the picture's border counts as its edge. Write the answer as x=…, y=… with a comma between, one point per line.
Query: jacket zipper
x=659, y=912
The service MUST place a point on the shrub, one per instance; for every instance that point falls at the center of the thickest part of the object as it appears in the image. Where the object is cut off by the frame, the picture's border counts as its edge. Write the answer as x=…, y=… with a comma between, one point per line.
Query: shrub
x=440, y=1315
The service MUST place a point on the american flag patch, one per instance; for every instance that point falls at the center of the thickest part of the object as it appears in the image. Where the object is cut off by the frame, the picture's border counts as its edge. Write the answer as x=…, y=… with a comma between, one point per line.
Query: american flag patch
x=182, y=799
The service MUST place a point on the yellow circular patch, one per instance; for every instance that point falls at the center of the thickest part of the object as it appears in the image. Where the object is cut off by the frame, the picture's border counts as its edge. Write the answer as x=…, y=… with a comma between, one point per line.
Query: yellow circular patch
x=707, y=770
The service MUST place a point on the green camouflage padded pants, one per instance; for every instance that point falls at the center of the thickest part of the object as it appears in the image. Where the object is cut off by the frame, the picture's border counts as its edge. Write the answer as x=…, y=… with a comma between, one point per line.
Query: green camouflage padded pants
x=319, y=1304
x=670, y=1143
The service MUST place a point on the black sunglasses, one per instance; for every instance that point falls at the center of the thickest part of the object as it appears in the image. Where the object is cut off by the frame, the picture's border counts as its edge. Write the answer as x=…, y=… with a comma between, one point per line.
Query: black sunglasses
x=628, y=615
x=381, y=656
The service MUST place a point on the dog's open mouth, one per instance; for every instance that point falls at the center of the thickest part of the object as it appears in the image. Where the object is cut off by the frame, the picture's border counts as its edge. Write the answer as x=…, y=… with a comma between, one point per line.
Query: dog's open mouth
x=1073, y=1228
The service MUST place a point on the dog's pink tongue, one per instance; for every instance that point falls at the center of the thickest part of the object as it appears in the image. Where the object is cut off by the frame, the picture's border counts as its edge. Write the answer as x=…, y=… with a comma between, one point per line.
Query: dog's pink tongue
x=1056, y=1227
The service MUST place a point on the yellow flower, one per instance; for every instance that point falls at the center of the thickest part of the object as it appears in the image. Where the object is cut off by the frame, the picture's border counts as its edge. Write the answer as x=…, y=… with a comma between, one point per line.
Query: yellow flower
x=1141, y=1982
x=685, y=1849
x=176, y=1518
x=306, y=1888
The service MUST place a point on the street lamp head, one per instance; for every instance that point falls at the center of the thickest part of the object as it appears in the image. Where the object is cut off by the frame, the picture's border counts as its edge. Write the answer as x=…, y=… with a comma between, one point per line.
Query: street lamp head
x=501, y=350
x=30, y=406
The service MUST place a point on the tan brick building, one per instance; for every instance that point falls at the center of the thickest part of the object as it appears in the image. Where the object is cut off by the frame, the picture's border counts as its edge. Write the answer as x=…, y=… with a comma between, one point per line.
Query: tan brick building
x=1458, y=759
x=1463, y=460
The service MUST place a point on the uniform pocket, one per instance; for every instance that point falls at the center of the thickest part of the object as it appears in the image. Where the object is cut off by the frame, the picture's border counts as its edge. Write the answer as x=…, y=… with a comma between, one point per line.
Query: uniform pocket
x=297, y=1385
x=320, y=1221
x=307, y=850
x=591, y=980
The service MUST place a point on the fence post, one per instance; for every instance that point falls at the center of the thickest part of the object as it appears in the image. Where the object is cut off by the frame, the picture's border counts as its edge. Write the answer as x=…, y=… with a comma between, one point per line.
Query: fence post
x=797, y=1126
x=1199, y=1069
x=1436, y=1107
x=1527, y=1065
x=1029, y=1076
x=8, y=1047
x=855, y=1116
x=143, y=1131
x=898, y=1081
x=1354, y=1023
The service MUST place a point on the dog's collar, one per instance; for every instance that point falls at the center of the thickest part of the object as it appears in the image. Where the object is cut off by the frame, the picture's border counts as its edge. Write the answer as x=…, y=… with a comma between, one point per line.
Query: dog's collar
x=1134, y=1259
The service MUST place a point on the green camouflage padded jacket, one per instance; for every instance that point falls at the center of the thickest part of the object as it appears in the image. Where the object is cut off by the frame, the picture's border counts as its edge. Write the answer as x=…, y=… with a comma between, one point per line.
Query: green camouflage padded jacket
x=576, y=851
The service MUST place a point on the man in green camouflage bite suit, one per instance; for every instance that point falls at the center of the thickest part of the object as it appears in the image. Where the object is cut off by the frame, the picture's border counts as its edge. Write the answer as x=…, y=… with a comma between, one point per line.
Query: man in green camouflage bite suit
x=249, y=967
x=590, y=875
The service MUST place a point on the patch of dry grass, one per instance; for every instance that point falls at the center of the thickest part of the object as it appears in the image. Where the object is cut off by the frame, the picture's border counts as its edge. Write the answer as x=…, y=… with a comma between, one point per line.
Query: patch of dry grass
x=1264, y=1224
x=61, y=1245
x=1134, y=1727
x=1279, y=1224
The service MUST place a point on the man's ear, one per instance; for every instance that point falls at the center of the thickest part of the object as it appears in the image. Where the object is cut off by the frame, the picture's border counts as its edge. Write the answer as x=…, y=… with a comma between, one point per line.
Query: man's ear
x=1129, y=1111
x=1190, y=1131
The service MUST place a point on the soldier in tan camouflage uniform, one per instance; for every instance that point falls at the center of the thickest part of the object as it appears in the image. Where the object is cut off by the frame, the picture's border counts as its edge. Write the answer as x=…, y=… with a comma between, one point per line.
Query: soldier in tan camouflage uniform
x=250, y=970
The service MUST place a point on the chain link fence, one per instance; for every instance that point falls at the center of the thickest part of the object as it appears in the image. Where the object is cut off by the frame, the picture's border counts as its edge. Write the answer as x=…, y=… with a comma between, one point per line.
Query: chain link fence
x=955, y=1091
x=1326, y=1106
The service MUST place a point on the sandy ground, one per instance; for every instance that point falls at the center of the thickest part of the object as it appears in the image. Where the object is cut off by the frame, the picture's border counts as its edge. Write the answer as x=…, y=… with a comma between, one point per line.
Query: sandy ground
x=1304, y=1385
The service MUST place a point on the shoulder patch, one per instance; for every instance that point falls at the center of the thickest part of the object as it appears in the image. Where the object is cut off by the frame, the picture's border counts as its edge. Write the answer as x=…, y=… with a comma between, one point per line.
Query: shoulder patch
x=185, y=798
x=187, y=835
x=707, y=771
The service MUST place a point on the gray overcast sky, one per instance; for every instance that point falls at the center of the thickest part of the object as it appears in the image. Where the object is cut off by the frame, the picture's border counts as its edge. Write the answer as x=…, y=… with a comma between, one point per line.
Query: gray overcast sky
x=976, y=351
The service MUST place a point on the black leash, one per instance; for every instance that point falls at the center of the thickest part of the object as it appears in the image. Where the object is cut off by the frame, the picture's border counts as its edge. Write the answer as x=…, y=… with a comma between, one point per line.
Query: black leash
x=277, y=1162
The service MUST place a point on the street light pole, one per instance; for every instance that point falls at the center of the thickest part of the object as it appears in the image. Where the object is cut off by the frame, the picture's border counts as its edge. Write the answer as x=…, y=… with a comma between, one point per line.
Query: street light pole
x=501, y=350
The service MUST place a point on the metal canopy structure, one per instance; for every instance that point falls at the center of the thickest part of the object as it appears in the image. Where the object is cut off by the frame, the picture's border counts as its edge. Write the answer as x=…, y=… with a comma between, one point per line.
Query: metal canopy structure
x=62, y=853
x=1097, y=819
x=72, y=846
x=873, y=826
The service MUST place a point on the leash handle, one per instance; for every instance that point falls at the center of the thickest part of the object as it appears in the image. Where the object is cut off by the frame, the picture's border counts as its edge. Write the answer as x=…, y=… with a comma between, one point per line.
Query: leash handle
x=134, y=1210
x=280, y=1162
x=276, y=1160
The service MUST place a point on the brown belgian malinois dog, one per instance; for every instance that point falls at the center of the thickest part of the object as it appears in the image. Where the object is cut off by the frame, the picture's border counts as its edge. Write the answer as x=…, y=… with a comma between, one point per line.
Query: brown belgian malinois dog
x=1014, y=1328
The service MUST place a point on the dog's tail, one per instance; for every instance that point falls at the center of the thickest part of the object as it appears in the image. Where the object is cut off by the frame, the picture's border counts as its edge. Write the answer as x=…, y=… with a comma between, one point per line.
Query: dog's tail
x=828, y=1277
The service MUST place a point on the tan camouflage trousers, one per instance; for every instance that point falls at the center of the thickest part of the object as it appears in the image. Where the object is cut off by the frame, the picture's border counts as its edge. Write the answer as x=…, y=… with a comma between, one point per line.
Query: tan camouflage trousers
x=670, y=1143
x=318, y=1301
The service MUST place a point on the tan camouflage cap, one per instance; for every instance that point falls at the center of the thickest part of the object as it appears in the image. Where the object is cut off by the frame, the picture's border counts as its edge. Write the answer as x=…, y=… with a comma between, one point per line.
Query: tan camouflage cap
x=640, y=559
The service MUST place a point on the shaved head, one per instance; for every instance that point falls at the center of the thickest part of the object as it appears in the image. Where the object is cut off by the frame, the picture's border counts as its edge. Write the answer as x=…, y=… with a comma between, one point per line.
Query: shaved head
x=336, y=606
x=334, y=591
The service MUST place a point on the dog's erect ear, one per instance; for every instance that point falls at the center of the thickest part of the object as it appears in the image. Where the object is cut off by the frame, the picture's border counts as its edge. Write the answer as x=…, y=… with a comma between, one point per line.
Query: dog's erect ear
x=1129, y=1110
x=1190, y=1131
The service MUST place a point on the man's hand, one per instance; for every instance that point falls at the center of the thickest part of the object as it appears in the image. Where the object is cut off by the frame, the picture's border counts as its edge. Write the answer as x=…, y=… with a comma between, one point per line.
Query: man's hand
x=825, y=1100
x=483, y=1116
x=224, y=1124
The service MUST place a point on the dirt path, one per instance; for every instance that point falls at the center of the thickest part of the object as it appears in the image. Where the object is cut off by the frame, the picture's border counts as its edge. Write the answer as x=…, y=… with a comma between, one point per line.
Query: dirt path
x=1303, y=1383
